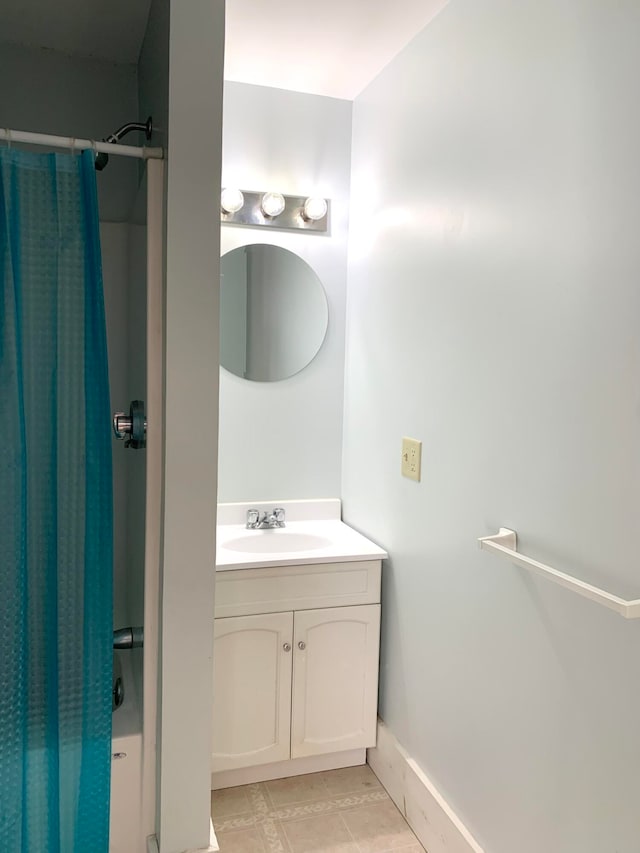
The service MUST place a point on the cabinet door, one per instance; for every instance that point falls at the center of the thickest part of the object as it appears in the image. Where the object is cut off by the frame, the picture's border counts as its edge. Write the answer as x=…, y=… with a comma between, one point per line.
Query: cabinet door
x=252, y=690
x=335, y=679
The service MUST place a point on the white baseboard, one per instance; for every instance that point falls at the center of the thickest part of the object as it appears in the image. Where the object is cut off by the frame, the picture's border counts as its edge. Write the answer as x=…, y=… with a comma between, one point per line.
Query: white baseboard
x=283, y=769
x=434, y=822
x=152, y=843
x=213, y=841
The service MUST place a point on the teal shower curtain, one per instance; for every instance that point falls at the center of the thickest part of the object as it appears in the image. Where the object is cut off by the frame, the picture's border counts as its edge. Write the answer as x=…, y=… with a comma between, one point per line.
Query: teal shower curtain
x=55, y=510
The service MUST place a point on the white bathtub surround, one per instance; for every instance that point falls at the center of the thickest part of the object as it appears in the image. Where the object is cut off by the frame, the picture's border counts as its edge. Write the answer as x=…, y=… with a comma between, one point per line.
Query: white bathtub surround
x=125, y=830
x=137, y=583
x=313, y=534
x=435, y=823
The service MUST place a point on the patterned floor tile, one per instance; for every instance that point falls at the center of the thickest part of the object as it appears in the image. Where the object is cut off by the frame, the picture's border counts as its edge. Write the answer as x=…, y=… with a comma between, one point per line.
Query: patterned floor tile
x=230, y=801
x=329, y=805
x=412, y=848
x=351, y=780
x=378, y=828
x=242, y=841
x=327, y=834
x=296, y=789
x=275, y=839
x=336, y=811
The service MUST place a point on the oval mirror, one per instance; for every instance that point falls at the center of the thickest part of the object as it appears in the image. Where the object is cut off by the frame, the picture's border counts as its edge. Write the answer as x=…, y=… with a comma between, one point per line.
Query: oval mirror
x=273, y=313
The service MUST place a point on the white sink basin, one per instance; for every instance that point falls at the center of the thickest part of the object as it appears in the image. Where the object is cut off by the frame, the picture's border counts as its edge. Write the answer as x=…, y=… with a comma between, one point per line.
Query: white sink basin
x=276, y=541
x=306, y=539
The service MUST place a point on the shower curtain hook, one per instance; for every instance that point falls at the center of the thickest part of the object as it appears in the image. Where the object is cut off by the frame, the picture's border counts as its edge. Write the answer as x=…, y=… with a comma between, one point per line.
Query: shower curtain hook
x=8, y=132
x=73, y=146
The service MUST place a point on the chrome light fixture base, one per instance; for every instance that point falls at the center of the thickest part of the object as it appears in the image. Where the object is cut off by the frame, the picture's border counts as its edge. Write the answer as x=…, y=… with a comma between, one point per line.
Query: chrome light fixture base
x=292, y=217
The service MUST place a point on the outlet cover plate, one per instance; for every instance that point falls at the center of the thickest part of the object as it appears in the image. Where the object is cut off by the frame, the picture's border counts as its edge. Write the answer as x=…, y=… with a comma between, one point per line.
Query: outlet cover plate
x=411, y=458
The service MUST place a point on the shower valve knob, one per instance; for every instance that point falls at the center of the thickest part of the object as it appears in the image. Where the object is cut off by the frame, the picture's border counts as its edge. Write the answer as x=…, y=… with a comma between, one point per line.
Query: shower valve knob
x=132, y=427
x=121, y=425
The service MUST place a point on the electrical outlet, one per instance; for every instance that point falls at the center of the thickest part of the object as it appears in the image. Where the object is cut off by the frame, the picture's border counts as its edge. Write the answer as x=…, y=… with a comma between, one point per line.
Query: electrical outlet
x=411, y=458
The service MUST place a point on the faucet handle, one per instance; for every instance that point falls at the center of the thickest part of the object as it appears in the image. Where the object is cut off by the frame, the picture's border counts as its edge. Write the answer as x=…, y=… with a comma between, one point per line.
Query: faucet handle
x=278, y=514
x=253, y=517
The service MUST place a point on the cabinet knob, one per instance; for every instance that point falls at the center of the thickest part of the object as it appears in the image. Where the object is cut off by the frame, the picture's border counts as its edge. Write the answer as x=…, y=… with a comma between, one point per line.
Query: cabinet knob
x=287, y=647
x=302, y=645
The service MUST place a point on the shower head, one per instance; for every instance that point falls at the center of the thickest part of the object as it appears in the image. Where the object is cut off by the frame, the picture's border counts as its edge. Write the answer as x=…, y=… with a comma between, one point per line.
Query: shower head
x=147, y=126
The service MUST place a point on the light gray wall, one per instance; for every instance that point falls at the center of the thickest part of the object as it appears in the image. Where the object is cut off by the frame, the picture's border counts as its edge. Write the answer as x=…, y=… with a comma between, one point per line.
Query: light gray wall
x=190, y=486
x=48, y=92
x=494, y=313
x=283, y=439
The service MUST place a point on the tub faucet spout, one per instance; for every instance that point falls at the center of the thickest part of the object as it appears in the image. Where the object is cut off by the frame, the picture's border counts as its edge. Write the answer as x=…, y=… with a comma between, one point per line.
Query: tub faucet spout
x=128, y=638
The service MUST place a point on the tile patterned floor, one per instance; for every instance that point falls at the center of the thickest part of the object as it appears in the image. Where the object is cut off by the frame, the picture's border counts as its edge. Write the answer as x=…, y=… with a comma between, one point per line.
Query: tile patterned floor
x=337, y=811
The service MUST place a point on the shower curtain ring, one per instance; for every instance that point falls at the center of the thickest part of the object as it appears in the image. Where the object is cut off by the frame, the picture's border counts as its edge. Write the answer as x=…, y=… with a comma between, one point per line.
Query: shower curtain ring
x=73, y=146
x=8, y=132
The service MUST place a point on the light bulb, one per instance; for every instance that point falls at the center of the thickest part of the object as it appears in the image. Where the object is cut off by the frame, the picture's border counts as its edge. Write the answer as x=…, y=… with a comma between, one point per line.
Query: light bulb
x=272, y=204
x=314, y=209
x=231, y=200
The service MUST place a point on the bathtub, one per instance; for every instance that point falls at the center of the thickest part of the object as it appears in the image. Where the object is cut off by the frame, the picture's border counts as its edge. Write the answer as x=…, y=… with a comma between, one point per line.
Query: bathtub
x=125, y=834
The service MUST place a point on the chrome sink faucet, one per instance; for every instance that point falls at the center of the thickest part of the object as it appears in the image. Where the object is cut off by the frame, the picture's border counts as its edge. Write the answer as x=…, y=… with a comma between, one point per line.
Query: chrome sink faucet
x=267, y=521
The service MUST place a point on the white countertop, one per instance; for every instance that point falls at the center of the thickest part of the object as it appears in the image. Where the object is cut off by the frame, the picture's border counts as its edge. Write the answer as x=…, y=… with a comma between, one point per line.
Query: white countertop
x=298, y=543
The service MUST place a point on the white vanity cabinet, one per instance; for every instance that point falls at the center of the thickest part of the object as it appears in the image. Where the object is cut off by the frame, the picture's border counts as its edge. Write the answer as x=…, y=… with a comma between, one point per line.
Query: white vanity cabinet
x=295, y=669
x=252, y=699
x=335, y=679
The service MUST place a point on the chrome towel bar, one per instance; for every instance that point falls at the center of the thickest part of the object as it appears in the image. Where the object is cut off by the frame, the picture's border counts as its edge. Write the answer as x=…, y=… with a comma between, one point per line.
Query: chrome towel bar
x=504, y=543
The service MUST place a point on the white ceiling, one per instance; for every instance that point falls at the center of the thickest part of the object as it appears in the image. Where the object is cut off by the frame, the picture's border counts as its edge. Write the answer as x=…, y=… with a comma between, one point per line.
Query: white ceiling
x=108, y=29
x=326, y=47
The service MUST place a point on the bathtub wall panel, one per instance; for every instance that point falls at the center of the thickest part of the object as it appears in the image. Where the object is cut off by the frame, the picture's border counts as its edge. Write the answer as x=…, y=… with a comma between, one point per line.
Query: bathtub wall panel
x=114, y=240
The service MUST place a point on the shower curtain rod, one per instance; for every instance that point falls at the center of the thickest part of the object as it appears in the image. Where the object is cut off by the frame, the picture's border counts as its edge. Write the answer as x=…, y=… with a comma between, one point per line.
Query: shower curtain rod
x=73, y=143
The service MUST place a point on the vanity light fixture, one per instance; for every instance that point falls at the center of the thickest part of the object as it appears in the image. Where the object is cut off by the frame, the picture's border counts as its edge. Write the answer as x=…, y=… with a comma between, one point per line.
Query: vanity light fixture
x=314, y=209
x=231, y=200
x=272, y=204
x=273, y=210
